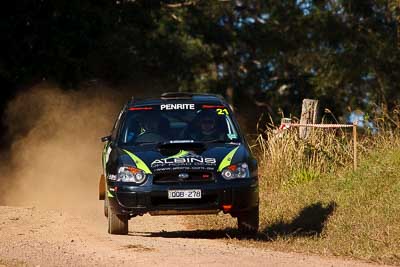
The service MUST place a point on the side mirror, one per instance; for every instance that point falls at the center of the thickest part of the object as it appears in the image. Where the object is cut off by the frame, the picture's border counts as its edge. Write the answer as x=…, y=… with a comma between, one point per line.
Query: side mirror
x=106, y=138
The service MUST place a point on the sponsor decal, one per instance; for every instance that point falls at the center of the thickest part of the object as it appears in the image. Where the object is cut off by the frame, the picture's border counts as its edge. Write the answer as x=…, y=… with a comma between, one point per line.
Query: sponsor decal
x=232, y=136
x=184, y=158
x=177, y=106
x=228, y=159
x=222, y=111
x=138, y=162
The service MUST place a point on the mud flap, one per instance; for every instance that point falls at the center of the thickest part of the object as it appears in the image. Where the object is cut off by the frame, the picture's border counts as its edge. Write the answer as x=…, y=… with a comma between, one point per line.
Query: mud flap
x=102, y=188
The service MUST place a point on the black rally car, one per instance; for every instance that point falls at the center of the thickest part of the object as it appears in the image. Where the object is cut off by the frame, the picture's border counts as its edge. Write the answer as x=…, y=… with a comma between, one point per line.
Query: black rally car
x=178, y=154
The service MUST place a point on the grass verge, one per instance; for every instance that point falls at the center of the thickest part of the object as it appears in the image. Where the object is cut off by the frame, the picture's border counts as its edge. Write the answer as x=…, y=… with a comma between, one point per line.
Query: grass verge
x=312, y=201
x=353, y=214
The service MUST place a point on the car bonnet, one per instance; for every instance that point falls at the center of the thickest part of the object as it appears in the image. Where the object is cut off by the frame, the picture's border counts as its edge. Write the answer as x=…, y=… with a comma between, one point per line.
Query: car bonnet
x=213, y=158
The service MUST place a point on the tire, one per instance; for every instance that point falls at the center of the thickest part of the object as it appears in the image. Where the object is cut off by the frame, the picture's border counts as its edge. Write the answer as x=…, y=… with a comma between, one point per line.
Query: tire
x=106, y=206
x=117, y=224
x=248, y=221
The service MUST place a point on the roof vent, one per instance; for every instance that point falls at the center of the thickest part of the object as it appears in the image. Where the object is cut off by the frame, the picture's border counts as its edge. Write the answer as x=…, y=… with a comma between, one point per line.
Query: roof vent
x=177, y=95
x=180, y=95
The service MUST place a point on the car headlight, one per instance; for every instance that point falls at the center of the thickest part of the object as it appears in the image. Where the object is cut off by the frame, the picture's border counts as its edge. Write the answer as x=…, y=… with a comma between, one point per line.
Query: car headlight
x=131, y=174
x=235, y=171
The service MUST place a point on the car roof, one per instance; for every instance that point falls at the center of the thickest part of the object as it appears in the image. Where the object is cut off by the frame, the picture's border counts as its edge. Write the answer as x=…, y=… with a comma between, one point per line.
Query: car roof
x=179, y=97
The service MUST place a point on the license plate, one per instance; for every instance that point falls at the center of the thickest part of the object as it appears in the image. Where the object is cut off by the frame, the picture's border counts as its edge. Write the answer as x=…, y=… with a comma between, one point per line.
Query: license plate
x=184, y=194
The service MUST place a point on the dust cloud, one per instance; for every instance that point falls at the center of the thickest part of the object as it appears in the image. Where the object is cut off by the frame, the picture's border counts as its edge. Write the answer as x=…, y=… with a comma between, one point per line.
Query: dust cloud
x=55, y=157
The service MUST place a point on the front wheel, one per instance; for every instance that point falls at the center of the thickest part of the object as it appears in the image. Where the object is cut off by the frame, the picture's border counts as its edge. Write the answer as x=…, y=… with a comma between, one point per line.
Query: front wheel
x=248, y=221
x=106, y=206
x=117, y=224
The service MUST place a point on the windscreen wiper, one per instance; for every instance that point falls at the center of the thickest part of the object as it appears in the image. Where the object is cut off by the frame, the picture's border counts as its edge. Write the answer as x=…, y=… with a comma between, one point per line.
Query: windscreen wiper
x=146, y=143
x=222, y=141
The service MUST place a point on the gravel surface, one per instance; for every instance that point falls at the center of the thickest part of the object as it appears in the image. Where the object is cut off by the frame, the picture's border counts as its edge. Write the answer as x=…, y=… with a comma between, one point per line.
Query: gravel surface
x=38, y=237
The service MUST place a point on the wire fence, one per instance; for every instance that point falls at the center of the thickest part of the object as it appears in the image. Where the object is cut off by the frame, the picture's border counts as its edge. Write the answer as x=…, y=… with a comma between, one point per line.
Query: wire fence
x=286, y=124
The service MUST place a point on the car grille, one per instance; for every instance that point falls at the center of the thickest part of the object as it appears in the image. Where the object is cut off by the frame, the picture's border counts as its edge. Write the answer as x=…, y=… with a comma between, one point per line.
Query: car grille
x=163, y=201
x=194, y=177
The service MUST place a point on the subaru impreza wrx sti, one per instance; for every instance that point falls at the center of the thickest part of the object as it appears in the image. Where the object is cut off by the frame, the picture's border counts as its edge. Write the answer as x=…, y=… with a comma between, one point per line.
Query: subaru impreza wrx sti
x=178, y=154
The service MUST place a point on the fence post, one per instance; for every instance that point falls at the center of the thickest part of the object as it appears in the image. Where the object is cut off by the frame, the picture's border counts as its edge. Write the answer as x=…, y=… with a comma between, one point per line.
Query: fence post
x=355, y=145
x=309, y=115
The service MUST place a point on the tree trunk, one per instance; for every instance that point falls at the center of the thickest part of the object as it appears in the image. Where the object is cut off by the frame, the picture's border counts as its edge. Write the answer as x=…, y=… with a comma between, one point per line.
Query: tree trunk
x=229, y=95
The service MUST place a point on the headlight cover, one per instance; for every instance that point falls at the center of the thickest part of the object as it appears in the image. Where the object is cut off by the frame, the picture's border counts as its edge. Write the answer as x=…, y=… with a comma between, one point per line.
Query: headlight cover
x=131, y=175
x=236, y=171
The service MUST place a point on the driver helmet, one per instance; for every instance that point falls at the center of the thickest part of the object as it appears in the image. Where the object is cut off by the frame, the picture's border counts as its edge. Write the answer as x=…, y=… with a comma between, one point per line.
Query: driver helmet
x=207, y=123
x=151, y=122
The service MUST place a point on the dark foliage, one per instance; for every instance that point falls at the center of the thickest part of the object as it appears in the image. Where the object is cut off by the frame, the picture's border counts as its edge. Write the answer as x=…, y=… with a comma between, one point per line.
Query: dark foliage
x=271, y=54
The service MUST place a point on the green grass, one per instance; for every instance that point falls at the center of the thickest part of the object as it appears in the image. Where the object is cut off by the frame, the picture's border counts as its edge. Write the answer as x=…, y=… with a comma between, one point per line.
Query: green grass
x=316, y=203
x=353, y=214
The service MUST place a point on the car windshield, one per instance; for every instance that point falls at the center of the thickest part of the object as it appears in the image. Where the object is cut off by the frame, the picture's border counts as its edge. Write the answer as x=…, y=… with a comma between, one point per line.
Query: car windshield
x=177, y=122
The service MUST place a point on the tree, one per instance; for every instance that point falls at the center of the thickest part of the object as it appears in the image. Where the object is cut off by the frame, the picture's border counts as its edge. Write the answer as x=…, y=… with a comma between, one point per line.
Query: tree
x=269, y=54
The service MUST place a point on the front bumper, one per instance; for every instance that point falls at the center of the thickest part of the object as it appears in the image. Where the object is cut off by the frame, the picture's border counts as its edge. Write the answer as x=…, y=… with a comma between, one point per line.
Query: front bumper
x=229, y=196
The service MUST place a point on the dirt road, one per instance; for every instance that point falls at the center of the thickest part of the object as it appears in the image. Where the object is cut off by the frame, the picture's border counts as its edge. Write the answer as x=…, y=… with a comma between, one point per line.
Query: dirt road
x=54, y=164
x=33, y=237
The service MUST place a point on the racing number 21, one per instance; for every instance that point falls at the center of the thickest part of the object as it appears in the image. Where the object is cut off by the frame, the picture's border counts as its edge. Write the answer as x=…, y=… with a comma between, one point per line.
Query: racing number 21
x=222, y=111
